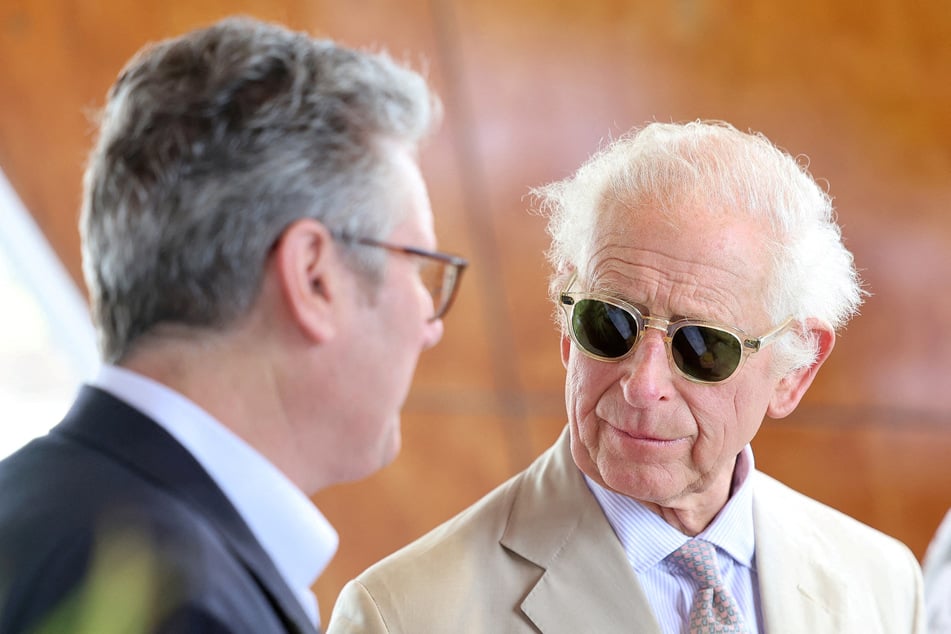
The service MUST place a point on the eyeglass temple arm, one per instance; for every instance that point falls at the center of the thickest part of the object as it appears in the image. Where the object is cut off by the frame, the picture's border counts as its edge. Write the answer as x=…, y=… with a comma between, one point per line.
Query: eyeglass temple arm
x=755, y=345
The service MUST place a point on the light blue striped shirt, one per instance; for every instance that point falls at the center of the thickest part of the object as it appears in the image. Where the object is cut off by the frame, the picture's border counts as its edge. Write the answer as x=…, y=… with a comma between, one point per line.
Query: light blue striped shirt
x=648, y=540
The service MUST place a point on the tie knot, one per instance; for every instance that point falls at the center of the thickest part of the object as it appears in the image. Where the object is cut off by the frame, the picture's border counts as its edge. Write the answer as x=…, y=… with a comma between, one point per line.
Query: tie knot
x=698, y=558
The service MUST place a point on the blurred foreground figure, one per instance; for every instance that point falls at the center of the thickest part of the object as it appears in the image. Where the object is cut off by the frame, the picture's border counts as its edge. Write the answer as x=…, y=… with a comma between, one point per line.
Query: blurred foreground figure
x=257, y=241
x=699, y=278
x=937, y=572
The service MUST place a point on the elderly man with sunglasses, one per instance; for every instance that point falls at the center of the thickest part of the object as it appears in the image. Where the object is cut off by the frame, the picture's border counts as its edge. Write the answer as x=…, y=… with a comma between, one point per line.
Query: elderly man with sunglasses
x=258, y=244
x=701, y=279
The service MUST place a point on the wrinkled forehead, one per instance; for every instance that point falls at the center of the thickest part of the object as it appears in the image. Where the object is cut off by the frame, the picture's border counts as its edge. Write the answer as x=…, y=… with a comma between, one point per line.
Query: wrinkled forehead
x=693, y=238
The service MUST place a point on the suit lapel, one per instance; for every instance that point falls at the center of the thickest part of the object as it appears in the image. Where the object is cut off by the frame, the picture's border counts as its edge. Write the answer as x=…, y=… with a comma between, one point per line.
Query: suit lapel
x=587, y=584
x=799, y=590
x=142, y=446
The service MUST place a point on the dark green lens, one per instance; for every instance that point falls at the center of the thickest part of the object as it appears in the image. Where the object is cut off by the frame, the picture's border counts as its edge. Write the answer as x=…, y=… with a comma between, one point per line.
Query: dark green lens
x=705, y=353
x=602, y=329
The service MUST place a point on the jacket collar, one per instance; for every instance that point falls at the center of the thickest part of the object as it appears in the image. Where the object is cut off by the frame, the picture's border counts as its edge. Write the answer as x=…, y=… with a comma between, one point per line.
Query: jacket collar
x=800, y=588
x=127, y=436
x=557, y=525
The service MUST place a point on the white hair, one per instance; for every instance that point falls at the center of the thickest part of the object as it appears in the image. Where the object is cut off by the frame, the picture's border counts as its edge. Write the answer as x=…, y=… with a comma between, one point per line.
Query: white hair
x=669, y=165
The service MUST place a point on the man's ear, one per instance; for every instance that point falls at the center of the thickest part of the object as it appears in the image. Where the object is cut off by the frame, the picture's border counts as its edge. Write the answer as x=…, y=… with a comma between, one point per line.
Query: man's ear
x=791, y=388
x=565, y=349
x=304, y=260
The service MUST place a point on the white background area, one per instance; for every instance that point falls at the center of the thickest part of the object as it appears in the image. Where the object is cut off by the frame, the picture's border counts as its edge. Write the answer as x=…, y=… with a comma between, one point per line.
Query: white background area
x=47, y=344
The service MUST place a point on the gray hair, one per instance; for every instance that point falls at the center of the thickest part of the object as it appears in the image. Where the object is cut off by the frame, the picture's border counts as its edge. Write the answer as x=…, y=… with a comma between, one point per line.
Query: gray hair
x=662, y=166
x=211, y=144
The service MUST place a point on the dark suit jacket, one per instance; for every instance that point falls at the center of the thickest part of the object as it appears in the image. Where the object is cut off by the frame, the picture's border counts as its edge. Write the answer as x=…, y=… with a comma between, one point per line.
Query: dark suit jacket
x=109, y=524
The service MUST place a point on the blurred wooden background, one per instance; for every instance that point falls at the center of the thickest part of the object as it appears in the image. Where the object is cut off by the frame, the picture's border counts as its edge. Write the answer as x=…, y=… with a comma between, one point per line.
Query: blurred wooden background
x=532, y=87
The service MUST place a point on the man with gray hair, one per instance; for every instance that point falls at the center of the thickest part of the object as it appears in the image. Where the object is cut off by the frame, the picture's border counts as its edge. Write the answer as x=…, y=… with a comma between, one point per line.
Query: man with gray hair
x=700, y=278
x=259, y=248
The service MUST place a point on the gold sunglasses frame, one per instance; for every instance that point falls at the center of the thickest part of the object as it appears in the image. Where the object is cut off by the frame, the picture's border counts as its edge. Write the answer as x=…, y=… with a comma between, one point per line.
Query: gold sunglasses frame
x=748, y=345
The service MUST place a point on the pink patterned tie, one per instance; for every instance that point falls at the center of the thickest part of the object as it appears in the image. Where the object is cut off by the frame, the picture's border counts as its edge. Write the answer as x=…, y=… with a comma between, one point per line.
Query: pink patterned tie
x=714, y=609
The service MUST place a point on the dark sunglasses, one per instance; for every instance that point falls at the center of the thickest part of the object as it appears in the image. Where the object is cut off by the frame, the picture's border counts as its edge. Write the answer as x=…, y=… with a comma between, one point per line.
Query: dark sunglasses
x=608, y=329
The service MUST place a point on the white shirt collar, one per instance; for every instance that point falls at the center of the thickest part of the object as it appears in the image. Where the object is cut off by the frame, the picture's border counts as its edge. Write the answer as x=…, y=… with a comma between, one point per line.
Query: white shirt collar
x=293, y=532
x=731, y=530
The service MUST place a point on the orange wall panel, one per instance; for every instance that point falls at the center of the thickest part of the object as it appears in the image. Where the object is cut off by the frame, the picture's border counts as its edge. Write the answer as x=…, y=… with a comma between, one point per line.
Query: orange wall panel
x=531, y=88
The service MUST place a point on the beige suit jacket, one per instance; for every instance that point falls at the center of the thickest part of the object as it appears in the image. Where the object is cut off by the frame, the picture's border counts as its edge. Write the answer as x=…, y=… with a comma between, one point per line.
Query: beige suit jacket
x=538, y=555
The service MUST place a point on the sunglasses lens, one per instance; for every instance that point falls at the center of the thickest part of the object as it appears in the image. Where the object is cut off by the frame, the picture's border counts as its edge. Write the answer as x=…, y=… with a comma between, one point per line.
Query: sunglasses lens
x=602, y=329
x=704, y=353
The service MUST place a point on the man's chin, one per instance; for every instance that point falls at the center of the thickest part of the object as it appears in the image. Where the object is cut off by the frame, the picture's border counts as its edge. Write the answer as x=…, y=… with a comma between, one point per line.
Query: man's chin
x=391, y=446
x=372, y=458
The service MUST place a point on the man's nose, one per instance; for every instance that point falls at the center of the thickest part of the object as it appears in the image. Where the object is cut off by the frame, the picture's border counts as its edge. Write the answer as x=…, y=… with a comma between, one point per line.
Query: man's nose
x=647, y=374
x=433, y=333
